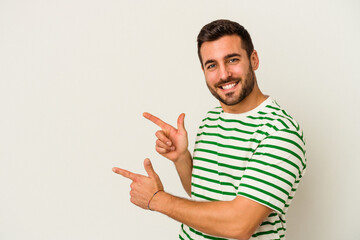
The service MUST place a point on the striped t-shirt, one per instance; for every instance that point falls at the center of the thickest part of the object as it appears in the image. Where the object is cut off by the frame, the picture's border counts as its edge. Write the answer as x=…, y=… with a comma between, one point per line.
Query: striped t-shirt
x=259, y=155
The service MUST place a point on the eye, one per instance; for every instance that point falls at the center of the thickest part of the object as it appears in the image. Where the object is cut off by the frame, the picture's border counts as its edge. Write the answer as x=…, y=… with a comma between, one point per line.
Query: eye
x=232, y=60
x=210, y=66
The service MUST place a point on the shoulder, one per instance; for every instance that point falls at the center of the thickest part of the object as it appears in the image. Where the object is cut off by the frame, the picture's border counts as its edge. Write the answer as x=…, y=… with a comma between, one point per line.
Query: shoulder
x=286, y=137
x=281, y=120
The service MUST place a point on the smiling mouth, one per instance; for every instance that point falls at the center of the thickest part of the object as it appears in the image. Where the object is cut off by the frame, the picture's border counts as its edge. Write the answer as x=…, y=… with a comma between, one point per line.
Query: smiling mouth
x=228, y=86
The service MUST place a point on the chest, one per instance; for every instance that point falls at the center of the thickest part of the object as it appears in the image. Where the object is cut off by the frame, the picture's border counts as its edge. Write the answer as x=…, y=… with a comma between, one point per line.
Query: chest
x=222, y=152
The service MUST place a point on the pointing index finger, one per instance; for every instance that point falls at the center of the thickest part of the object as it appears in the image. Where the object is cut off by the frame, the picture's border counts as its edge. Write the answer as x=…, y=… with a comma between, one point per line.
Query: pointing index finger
x=124, y=173
x=155, y=120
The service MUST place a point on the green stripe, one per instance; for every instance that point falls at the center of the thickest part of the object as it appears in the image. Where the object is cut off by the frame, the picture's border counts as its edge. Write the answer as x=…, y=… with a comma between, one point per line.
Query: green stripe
x=210, y=119
x=206, y=169
x=205, y=160
x=229, y=137
x=276, y=103
x=270, y=223
x=181, y=237
x=220, y=164
x=273, y=214
x=267, y=183
x=268, y=232
x=263, y=133
x=240, y=130
x=263, y=191
x=225, y=146
x=221, y=154
x=225, y=129
x=214, y=181
x=233, y=121
x=290, y=120
x=280, y=158
x=284, y=150
x=270, y=174
x=203, y=197
x=230, y=176
x=216, y=172
x=274, y=166
x=272, y=206
x=261, y=118
x=204, y=235
x=272, y=107
x=283, y=123
x=287, y=140
x=213, y=112
x=286, y=114
x=213, y=190
x=272, y=126
x=295, y=133
x=238, y=168
x=293, y=122
x=206, y=179
x=182, y=227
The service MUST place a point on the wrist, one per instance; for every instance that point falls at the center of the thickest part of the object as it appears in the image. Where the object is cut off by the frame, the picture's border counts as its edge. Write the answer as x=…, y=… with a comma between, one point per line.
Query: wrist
x=183, y=157
x=159, y=201
x=153, y=197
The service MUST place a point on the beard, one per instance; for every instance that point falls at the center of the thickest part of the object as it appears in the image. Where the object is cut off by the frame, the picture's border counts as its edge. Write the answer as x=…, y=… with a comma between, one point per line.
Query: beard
x=230, y=98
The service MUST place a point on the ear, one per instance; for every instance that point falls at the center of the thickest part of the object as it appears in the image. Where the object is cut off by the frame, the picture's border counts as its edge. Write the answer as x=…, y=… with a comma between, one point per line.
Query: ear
x=254, y=58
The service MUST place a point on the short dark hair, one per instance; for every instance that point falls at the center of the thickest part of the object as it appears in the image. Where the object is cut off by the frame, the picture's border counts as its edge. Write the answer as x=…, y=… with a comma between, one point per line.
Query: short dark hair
x=219, y=28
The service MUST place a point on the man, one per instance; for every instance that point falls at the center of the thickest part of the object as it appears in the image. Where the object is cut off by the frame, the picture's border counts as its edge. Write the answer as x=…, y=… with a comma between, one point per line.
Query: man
x=249, y=154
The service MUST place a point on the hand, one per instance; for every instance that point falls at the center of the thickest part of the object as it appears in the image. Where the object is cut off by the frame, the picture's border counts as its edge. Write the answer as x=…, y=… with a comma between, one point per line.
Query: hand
x=142, y=187
x=171, y=143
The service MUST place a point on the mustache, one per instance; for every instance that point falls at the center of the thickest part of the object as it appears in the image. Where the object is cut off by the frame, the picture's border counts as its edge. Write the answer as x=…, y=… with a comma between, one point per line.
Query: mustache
x=227, y=80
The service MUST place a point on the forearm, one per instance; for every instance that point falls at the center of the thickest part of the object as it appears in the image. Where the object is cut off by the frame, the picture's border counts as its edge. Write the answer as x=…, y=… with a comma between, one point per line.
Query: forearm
x=232, y=219
x=184, y=168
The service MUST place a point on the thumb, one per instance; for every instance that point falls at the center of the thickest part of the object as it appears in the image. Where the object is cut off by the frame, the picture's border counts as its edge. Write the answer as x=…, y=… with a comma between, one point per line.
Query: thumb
x=149, y=168
x=180, y=122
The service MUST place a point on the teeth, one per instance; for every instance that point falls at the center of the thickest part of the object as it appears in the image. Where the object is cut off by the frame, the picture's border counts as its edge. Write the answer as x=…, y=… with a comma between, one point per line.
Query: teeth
x=229, y=86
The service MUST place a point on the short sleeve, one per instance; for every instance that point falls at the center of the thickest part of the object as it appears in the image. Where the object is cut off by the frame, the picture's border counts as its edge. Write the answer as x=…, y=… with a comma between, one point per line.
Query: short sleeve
x=274, y=171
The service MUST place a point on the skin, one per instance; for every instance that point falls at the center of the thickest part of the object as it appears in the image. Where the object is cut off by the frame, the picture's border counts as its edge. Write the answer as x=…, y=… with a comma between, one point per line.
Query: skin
x=225, y=62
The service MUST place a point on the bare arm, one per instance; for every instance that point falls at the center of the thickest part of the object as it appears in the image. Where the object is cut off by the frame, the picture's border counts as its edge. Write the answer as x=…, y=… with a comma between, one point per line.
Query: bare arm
x=172, y=143
x=184, y=168
x=237, y=219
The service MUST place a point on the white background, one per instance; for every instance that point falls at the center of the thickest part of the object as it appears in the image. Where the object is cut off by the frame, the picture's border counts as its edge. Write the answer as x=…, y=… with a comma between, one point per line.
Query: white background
x=76, y=75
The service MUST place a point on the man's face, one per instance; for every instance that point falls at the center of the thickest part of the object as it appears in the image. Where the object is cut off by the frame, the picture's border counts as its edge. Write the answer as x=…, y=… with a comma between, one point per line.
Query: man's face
x=228, y=71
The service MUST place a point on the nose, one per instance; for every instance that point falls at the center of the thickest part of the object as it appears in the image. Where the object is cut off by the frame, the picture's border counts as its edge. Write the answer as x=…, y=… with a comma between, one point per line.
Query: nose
x=224, y=72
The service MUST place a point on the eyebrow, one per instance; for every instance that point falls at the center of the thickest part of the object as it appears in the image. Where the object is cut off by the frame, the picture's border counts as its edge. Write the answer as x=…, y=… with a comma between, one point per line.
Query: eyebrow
x=232, y=55
x=226, y=57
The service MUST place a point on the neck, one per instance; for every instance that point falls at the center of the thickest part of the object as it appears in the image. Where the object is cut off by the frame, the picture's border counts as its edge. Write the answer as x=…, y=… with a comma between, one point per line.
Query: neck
x=254, y=99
